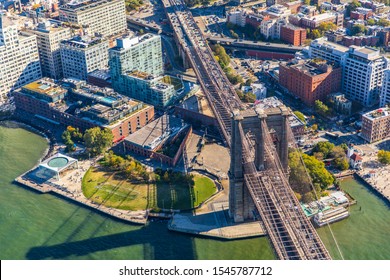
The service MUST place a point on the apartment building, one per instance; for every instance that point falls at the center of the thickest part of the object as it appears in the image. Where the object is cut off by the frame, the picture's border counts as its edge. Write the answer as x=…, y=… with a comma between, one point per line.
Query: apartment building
x=19, y=58
x=49, y=35
x=363, y=75
x=81, y=55
x=293, y=34
x=376, y=125
x=310, y=80
x=106, y=17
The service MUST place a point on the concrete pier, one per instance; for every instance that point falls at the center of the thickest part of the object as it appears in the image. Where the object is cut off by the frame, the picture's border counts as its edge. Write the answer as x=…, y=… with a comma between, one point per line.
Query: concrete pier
x=215, y=224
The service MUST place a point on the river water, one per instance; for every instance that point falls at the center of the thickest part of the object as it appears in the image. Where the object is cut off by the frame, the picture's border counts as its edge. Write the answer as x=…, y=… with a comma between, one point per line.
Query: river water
x=43, y=226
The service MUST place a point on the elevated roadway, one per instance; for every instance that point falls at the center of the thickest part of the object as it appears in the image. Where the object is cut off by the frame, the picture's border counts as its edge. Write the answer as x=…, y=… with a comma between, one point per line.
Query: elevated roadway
x=291, y=233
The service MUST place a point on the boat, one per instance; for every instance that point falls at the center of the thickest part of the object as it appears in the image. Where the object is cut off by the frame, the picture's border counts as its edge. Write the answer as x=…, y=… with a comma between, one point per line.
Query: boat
x=330, y=216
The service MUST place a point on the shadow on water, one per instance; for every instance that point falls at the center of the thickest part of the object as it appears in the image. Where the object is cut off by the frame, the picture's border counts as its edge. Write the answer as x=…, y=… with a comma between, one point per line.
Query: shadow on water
x=155, y=238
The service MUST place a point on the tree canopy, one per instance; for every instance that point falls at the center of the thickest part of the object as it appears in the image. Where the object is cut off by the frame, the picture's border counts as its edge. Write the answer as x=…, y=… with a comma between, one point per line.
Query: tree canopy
x=358, y=29
x=300, y=116
x=324, y=147
x=321, y=108
x=384, y=156
x=97, y=140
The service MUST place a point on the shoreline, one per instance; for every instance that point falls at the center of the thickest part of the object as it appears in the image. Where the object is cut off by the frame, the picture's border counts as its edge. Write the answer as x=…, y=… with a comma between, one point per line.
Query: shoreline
x=377, y=192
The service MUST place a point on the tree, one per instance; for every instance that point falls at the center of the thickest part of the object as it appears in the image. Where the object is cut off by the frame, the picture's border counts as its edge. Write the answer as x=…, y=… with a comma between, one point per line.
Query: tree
x=234, y=34
x=341, y=163
x=371, y=21
x=314, y=127
x=98, y=140
x=315, y=34
x=67, y=138
x=317, y=171
x=384, y=156
x=321, y=108
x=326, y=26
x=248, y=82
x=353, y=6
x=324, y=147
x=358, y=29
x=307, y=2
x=383, y=22
x=300, y=116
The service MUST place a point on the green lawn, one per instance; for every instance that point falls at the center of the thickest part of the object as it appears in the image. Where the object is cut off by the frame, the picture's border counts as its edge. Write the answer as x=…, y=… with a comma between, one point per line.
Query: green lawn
x=113, y=190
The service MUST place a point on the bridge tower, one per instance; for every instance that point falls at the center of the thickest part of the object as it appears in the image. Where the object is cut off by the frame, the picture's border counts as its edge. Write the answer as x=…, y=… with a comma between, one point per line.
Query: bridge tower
x=253, y=122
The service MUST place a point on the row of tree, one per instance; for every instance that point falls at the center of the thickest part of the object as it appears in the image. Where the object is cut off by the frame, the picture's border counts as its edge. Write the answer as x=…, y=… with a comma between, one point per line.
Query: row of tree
x=129, y=166
x=224, y=60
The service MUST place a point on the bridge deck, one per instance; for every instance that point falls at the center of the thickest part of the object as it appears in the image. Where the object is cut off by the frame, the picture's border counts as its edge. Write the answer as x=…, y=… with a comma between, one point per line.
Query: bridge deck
x=291, y=234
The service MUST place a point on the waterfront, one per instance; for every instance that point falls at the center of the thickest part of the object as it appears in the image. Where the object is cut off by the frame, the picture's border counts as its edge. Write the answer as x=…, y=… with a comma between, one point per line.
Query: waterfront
x=43, y=226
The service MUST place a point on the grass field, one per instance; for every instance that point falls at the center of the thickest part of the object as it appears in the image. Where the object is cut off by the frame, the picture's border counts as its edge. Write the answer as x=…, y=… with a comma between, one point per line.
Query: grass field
x=113, y=190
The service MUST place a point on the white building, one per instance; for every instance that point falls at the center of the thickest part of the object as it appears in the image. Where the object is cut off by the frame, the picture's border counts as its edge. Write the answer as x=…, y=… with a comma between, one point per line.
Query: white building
x=385, y=92
x=237, y=17
x=259, y=90
x=278, y=11
x=332, y=52
x=363, y=75
x=49, y=36
x=19, y=58
x=106, y=17
x=271, y=28
x=82, y=55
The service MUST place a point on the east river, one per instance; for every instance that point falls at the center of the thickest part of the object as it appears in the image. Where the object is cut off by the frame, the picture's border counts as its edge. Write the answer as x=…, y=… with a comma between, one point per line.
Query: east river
x=44, y=226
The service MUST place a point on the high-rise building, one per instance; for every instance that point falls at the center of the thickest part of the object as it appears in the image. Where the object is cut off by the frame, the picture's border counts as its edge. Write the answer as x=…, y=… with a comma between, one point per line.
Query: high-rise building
x=49, y=36
x=143, y=53
x=82, y=55
x=136, y=69
x=385, y=92
x=310, y=80
x=106, y=17
x=293, y=34
x=19, y=58
x=363, y=75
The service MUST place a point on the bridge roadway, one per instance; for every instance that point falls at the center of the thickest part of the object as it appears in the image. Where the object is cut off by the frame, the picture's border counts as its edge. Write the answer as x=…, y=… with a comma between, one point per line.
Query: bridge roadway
x=256, y=46
x=291, y=233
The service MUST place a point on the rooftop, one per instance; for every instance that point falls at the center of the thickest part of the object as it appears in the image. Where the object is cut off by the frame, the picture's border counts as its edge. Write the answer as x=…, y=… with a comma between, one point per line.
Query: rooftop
x=45, y=86
x=82, y=42
x=129, y=40
x=79, y=5
x=378, y=113
x=157, y=132
x=325, y=44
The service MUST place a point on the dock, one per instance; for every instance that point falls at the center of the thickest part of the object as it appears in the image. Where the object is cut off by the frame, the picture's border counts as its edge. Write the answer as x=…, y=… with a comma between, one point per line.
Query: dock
x=136, y=217
x=215, y=223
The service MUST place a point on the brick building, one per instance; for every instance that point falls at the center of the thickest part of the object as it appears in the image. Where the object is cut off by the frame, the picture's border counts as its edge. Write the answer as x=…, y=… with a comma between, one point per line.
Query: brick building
x=293, y=34
x=78, y=104
x=310, y=80
x=376, y=125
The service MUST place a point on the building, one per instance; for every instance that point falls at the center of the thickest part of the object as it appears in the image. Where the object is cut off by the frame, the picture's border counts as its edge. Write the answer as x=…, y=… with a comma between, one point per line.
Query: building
x=78, y=104
x=148, y=88
x=105, y=17
x=385, y=90
x=293, y=34
x=363, y=75
x=335, y=53
x=237, y=17
x=277, y=12
x=100, y=78
x=310, y=80
x=294, y=6
x=376, y=125
x=361, y=13
x=271, y=28
x=136, y=69
x=19, y=57
x=314, y=22
x=82, y=55
x=255, y=20
x=142, y=53
x=49, y=35
x=163, y=140
x=340, y=103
